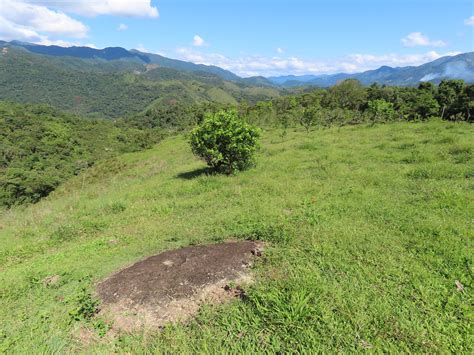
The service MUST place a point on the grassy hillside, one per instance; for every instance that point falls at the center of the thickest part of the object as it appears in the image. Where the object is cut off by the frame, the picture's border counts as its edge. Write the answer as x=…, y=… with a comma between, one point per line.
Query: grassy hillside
x=369, y=230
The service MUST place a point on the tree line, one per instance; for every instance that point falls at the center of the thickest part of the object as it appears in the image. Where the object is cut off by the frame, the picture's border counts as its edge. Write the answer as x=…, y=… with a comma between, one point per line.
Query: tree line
x=349, y=102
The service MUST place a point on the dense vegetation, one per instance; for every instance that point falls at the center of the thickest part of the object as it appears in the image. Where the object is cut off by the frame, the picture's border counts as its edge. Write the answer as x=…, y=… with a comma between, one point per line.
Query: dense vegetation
x=346, y=103
x=370, y=231
x=351, y=103
x=41, y=147
x=112, y=89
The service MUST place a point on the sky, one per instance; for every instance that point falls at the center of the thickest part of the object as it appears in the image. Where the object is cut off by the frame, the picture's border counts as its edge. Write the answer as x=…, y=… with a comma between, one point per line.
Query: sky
x=259, y=37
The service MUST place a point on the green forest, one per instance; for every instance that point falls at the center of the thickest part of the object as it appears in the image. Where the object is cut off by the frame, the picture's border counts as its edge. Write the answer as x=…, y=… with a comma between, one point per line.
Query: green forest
x=40, y=147
x=113, y=89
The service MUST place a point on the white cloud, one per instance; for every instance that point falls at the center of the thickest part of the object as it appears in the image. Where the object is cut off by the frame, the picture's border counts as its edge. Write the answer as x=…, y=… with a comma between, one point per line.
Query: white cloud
x=198, y=41
x=469, y=21
x=268, y=66
x=19, y=20
x=135, y=8
x=58, y=42
x=142, y=48
x=418, y=39
x=46, y=21
x=280, y=50
x=122, y=27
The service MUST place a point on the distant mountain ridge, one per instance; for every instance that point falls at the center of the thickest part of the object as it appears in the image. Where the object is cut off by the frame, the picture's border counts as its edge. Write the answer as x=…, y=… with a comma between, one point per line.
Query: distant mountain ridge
x=451, y=67
x=122, y=54
x=114, y=82
x=460, y=66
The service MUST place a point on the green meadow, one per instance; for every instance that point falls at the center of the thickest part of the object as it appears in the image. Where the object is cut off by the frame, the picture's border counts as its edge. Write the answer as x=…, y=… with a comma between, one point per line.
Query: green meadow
x=369, y=245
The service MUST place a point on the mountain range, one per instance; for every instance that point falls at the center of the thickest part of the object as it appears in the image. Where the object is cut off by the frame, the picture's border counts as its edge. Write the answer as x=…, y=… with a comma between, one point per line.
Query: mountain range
x=115, y=82
x=460, y=66
x=122, y=54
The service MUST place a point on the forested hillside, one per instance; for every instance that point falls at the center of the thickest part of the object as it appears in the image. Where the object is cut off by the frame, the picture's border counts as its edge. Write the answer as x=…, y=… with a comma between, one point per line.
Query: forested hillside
x=40, y=147
x=111, y=89
x=349, y=102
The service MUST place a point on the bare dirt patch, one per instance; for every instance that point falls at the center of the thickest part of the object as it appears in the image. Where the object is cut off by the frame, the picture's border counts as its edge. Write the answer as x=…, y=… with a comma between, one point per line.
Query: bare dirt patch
x=51, y=280
x=171, y=286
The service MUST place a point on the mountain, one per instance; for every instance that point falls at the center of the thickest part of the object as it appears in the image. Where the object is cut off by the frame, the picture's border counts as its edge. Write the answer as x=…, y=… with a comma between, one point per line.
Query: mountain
x=118, y=53
x=460, y=66
x=114, y=82
x=281, y=80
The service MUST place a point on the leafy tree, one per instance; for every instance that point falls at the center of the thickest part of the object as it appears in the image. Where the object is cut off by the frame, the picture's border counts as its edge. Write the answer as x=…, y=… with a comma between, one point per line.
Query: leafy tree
x=309, y=117
x=427, y=86
x=225, y=142
x=468, y=102
x=381, y=110
x=447, y=96
x=349, y=94
x=425, y=105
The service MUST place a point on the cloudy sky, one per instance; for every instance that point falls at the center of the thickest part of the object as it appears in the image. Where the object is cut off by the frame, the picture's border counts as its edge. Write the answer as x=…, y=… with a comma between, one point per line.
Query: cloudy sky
x=254, y=37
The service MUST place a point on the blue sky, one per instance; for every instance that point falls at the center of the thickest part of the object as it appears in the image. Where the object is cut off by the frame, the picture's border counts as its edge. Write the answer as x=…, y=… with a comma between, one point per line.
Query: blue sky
x=259, y=37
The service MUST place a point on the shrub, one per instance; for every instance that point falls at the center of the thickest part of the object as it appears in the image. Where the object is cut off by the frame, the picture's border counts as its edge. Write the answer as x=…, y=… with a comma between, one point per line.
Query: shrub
x=86, y=306
x=309, y=118
x=381, y=110
x=225, y=142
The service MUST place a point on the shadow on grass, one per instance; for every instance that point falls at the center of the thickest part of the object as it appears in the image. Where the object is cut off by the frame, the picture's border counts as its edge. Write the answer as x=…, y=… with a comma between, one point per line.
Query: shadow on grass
x=195, y=173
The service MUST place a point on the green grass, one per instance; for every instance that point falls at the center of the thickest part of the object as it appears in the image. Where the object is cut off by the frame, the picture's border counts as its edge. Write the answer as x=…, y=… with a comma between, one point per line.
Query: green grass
x=370, y=228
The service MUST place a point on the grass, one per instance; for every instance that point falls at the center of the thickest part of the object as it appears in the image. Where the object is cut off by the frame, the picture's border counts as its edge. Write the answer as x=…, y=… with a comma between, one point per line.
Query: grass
x=370, y=228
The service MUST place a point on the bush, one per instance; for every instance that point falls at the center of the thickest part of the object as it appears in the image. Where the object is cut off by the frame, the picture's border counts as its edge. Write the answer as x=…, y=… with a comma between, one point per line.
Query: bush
x=381, y=110
x=225, y=142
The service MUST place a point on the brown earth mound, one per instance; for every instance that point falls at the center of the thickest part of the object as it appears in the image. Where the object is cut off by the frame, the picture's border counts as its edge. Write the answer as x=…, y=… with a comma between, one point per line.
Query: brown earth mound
x=170, y=286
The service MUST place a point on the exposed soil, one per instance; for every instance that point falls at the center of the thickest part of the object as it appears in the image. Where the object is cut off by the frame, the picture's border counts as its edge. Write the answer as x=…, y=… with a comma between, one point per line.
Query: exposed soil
x=171, y=286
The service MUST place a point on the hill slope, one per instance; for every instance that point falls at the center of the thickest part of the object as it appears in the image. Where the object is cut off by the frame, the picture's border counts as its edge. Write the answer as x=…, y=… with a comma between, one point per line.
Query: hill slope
x=41, y=147
x=99, y=88
x=456, y=67
x=366, y=246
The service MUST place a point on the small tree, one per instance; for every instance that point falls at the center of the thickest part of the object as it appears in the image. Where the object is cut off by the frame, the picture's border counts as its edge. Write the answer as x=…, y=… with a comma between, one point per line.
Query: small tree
x=309, y=117
x=225, y=142
x=381, y=110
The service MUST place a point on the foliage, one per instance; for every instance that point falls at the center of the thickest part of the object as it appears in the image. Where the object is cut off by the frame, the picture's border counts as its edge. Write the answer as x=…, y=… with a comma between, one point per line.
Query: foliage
x=225, y=142
x=309, y=117
x=101, y=89
x=456, y=100
x=350, y=103
x=41, y=147
x=86, y=306
x=381, y=110
x=349, y=94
